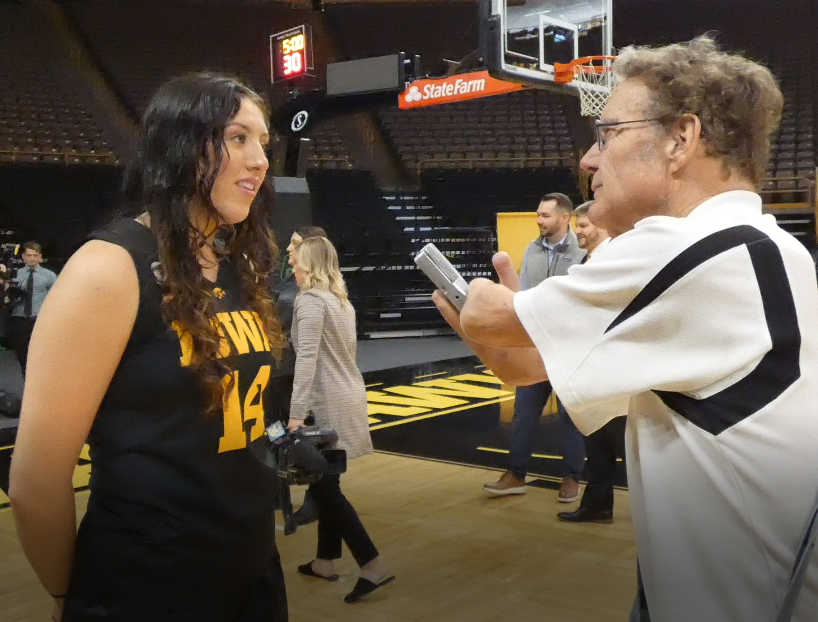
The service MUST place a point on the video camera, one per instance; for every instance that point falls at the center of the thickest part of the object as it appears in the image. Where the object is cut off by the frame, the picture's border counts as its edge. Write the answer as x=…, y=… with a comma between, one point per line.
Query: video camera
x=301, y=458
x=10, y=259
x=9, y=251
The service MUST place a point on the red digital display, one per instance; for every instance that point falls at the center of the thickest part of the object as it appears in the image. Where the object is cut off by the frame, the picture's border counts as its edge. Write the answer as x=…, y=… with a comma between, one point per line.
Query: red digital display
x=291, y=55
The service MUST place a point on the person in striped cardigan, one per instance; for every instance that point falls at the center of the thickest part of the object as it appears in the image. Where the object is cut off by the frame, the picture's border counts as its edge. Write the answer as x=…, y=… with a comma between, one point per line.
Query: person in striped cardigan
x=329, y=386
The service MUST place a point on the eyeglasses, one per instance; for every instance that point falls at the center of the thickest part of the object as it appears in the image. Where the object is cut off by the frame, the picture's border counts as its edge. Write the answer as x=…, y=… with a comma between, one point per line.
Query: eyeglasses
x=602, y=138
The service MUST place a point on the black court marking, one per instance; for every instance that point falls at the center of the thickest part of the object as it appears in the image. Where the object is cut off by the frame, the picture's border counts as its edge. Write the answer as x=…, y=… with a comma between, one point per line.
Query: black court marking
x=778, y=369
x=5, y=465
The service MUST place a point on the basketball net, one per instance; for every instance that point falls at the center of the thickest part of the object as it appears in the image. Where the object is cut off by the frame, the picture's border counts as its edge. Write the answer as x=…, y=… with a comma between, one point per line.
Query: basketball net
x=593, y=78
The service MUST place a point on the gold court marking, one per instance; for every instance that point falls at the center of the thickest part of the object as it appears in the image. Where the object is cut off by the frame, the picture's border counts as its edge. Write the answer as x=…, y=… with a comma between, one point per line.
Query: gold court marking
x=505, y=451
x=440, y=373
x=440, y=413
x=494, y=450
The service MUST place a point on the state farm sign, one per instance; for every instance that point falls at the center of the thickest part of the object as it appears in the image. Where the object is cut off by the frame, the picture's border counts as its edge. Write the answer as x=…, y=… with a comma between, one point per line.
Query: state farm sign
x=453, y=89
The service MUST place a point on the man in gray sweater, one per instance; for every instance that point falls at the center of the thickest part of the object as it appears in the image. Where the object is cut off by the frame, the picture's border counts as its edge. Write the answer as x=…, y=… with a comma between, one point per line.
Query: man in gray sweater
x=551, y=254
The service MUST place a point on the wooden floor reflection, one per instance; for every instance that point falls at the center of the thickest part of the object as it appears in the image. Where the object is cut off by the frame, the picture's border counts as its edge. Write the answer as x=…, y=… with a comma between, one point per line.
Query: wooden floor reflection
x=458, y=555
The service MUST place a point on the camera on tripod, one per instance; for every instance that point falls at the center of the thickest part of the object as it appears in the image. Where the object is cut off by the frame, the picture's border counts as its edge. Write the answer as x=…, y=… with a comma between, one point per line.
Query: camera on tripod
x=301, y=458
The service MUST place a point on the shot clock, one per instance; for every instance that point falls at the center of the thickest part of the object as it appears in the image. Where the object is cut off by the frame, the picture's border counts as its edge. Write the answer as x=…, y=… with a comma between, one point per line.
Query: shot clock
x=291, y=53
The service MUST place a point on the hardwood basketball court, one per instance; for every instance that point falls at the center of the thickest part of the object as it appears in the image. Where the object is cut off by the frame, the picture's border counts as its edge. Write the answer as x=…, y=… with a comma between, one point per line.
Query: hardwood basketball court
x=440, y=431
x=458, y=555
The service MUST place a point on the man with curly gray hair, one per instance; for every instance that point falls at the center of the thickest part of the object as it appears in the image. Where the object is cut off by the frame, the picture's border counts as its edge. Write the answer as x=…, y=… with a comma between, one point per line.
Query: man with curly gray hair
x=700, y=319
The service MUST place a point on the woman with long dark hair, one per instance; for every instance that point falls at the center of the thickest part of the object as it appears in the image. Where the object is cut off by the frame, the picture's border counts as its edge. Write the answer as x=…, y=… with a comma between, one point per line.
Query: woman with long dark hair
x=329, y=385
x=156, y=345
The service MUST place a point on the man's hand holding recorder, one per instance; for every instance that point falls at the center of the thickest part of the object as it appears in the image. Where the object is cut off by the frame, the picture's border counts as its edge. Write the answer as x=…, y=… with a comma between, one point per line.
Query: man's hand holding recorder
x=486, y=320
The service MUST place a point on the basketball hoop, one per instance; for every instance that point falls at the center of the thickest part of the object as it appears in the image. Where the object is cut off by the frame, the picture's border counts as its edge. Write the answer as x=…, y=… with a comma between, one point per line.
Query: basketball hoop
x=593, y=76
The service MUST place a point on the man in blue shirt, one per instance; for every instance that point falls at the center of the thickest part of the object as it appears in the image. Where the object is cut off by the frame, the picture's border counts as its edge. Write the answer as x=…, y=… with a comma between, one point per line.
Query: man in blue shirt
x=33, y=282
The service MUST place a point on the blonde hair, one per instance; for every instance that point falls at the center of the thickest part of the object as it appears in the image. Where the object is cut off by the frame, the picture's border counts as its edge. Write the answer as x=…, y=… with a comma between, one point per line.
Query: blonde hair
x=737, y=101
x=319, y=261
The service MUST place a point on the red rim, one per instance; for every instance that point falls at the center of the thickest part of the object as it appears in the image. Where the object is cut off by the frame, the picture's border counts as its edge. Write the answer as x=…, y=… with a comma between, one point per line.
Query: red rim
x=564, y=72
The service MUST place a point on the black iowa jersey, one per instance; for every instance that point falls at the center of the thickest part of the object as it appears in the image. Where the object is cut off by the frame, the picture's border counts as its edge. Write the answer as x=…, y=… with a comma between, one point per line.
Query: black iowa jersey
x=181, y=510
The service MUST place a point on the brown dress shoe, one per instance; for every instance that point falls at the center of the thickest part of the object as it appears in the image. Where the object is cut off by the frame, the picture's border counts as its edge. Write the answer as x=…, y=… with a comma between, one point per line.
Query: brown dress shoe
x=506, y=485
x=569, y=491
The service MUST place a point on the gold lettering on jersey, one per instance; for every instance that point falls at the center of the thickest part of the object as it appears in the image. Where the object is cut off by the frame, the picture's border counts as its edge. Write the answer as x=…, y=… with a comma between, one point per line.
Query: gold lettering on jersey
x=238, y=339
x=244, y=330
x=253, y=404
x=235, y=417
x=234, y=437
x=186, y=343
x=239, y=331
x=248, y=330
x=253, y=317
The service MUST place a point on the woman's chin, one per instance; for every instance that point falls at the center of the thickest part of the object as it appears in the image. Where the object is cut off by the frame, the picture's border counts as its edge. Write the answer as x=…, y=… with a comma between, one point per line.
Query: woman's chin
x=233, y=216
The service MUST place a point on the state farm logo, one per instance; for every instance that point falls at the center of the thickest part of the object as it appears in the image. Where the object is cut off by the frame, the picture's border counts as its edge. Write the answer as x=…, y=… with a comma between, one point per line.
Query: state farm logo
x=446, y=88
x=413, y=95
x=449, y=89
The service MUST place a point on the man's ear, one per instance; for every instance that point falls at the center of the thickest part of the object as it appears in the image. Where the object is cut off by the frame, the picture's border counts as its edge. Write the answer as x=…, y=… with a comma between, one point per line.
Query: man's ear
x=685, y=139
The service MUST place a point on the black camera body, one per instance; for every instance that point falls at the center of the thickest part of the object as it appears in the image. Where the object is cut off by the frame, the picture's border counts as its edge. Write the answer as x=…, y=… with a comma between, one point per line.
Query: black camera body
x=15, y=293
x=304, y=456
x=301, y=458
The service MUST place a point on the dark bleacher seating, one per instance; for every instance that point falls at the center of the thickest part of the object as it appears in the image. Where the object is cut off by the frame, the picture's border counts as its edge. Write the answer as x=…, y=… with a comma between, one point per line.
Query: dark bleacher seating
x=376, y=249
x=526, y=129
x=372, y=247
x=327, y=148
x=779, y=33
x=409, y=310
x=44, y=103
x=473, y=198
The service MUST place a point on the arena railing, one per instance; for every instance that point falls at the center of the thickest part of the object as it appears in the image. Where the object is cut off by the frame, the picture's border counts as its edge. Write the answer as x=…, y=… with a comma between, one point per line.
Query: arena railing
x=794, y=202
x=510, y=162
x=19, y=155
x=789, y=192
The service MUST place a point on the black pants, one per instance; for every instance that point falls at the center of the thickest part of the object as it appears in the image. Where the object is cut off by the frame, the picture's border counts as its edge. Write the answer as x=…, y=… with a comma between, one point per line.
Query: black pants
x=266, y=601
x=337, y=521
x=602, y=448
x=19, y=337
x=278, y=405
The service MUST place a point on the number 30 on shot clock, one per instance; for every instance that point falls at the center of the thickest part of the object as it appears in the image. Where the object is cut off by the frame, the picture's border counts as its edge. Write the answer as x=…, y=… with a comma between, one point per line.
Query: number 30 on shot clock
x=290, y=53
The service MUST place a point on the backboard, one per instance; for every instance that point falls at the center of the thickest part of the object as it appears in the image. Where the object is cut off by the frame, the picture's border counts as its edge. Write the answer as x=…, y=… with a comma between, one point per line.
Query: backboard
x=522, y=39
